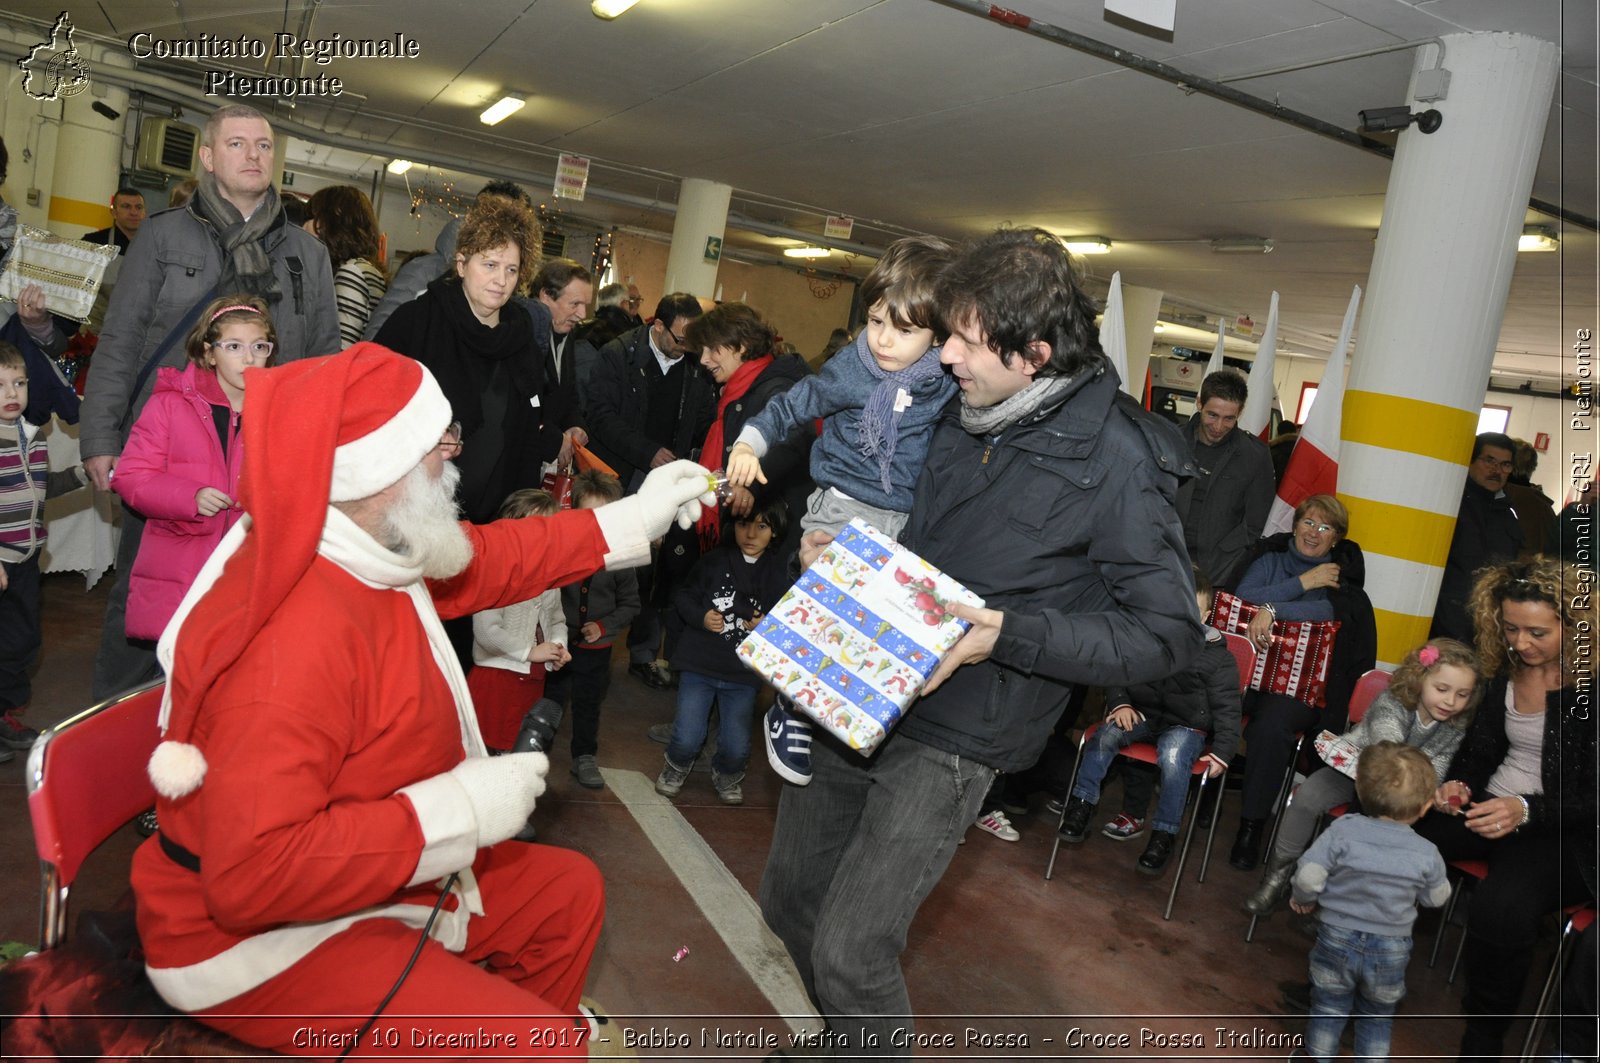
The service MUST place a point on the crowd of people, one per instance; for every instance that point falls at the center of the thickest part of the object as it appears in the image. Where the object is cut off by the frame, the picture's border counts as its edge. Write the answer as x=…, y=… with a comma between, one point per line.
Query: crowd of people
x=297, y=436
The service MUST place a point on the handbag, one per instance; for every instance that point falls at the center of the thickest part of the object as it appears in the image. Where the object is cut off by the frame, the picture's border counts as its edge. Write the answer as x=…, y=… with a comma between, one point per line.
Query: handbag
x=1296, y=661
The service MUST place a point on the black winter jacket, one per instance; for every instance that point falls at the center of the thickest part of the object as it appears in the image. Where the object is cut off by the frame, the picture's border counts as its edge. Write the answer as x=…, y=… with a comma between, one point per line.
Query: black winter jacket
x=1487, y=531
x=1065, y=524
x=787, y=464
x=1567, y=766
x=742, y=592
x=1355, y=648
x=1204, y=696
x=618, y=405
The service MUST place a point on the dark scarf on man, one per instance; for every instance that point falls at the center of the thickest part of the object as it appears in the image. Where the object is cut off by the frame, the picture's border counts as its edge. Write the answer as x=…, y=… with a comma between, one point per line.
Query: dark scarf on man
x=879, y=429
x=245, y=264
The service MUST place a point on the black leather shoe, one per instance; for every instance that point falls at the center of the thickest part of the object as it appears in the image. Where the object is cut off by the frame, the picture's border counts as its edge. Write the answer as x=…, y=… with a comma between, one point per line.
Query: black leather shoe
x=1246, y=852
x=1075, y=827
x=1154, y=859
x=648, y=673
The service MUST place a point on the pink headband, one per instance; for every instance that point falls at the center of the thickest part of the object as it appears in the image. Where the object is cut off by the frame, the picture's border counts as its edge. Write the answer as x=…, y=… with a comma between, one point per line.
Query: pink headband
x=229, y=309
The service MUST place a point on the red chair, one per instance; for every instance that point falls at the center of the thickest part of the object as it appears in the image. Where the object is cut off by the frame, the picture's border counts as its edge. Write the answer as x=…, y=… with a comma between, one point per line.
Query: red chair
x=1575, y=920
x=1244, y=655
x=86, y=778
x=1373, y=682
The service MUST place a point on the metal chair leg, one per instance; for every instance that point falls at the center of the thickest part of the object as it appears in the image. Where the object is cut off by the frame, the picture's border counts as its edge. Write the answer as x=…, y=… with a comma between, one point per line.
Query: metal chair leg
x=1446, y=915
x=1552, y=987
x=1055, y=846
x=1216, y=814
x=1183, y=852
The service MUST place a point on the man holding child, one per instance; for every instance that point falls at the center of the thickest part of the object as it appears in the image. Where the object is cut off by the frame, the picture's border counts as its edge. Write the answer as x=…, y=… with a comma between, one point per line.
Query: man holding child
x=1049, y=494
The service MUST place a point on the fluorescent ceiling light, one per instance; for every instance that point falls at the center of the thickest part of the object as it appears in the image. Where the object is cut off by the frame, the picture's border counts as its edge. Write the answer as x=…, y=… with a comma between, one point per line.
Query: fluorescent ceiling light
x=1086, y=245
x=807, y=252
x=1538, y=238
x=610, y=9
x=499, y=112
x=399, y=166
x=1249, y=245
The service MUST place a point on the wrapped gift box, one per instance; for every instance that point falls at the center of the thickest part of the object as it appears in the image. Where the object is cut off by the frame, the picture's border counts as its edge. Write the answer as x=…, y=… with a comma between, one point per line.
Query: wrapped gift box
x=853, y=642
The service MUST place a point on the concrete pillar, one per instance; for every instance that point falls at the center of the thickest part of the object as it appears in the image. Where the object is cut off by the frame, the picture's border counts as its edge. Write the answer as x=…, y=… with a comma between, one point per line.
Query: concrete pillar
x=702, y=215
x=88, y=162
x=1435, y=297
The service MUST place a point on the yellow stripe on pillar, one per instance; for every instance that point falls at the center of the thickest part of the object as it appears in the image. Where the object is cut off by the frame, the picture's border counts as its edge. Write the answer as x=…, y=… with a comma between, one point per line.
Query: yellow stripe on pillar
x=1400, y=531
x=1410, y=425
x=78, y=212
x=1399, y=634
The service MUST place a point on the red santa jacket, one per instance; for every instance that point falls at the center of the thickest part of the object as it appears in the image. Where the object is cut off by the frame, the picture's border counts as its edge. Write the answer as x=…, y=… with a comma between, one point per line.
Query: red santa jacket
x=300, y=826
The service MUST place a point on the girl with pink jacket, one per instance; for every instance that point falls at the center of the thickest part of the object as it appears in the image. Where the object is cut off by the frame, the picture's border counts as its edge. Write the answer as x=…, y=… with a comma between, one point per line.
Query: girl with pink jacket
x=181, y=465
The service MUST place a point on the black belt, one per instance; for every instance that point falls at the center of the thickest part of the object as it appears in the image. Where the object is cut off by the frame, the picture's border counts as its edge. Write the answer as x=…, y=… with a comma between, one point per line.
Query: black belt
x=180, y=856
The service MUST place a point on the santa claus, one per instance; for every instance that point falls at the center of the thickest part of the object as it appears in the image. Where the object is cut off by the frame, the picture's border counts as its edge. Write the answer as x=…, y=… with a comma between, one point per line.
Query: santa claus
x=323, y=782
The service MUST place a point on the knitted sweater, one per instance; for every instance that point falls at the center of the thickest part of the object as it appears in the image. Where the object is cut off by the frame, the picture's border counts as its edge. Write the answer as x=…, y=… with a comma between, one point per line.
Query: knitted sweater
x=1370, y=874
x=25, y=482
x=503, y=638
x=1389, y=721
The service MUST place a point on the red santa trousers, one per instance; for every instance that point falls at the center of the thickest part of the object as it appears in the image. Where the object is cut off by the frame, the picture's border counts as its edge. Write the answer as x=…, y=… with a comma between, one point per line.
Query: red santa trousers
x=544, y=907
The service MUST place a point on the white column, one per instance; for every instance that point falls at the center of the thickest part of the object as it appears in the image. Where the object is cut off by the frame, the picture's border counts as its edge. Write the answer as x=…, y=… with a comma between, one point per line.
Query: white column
x=1435, y=297
x=702, y=215
x=88, y=161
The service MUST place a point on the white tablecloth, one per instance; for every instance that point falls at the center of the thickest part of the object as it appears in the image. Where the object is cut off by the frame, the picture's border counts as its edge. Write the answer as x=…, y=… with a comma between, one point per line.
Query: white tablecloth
x=84, y=525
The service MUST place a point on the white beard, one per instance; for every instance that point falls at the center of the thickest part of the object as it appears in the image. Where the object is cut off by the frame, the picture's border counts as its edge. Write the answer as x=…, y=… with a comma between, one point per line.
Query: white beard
x=423, y=523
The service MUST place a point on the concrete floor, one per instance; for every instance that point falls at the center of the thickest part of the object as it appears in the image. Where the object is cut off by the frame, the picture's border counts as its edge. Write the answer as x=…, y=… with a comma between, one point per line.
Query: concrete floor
x=1073, y=966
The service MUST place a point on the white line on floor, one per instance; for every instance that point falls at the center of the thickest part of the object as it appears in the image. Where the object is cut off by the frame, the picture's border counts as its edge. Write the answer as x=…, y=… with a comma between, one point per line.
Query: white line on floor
x=720, y=897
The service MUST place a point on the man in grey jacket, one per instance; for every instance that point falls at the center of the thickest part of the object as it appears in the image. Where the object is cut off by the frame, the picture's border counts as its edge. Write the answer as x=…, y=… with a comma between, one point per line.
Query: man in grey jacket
x=230, y=238
x=1049, y=494
x=1225, y=506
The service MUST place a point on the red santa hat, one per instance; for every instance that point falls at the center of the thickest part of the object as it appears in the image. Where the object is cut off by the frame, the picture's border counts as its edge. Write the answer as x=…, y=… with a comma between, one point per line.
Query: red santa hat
x=317, y=430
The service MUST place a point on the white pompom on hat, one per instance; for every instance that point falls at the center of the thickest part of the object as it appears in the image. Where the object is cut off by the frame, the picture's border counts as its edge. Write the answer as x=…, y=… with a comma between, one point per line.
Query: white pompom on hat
x=318, y=430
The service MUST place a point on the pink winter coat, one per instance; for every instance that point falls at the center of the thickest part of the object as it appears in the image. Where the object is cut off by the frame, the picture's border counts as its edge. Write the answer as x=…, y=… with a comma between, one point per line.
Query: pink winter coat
x=172, y=452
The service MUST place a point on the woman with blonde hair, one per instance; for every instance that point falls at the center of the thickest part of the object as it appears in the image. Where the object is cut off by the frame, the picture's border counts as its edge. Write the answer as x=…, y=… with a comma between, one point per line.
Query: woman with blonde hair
x=1520, y=793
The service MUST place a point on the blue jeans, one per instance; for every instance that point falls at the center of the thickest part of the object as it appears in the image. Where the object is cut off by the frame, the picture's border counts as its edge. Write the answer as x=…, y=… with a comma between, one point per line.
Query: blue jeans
x=1359, y=975
x=736, y=709
x=1177, y=748
x=853, y=857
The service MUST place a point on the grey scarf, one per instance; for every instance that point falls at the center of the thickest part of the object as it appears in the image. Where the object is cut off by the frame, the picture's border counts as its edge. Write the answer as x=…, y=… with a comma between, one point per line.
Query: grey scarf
x=245, y=265
x=879, y=429
x=1043, y=394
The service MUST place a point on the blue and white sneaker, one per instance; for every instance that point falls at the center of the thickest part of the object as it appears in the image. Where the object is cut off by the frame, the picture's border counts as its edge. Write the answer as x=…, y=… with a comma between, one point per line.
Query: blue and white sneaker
x=788, y=744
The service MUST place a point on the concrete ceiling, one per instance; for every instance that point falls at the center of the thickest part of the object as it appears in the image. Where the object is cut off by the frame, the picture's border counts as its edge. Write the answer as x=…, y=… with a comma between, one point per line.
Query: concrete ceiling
x=917, y=115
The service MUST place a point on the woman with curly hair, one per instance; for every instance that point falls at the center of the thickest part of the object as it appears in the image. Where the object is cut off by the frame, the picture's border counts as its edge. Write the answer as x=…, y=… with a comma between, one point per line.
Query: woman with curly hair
x=1520, y=793
x=479, y=345
x=343, y=219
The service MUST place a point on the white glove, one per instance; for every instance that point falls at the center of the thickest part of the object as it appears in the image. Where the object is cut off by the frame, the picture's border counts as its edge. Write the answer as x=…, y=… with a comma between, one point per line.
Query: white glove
x=675, y=490
x=502, y=791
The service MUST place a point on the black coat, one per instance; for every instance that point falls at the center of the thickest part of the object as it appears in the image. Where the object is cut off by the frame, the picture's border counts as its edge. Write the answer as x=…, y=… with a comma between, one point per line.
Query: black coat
x=787, y=463
x=618, y=406
x=1355, y=648
x=1567, y=766
x=1204, y=696
x=1065, y=524
x=1487, y=531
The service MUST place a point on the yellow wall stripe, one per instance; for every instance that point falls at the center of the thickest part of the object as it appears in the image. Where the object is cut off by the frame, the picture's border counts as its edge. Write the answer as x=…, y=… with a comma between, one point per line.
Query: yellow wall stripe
x=1399, y=634
x=76, y=212
x=1400, y=531
x=1411, y=425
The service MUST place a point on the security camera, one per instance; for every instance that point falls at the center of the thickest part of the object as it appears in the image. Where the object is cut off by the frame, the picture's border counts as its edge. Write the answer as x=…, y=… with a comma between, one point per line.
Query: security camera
x=105, y=109
x=1389, y=119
